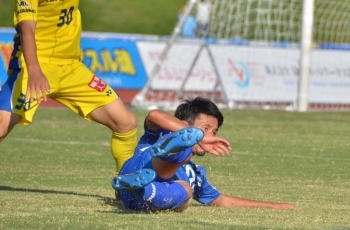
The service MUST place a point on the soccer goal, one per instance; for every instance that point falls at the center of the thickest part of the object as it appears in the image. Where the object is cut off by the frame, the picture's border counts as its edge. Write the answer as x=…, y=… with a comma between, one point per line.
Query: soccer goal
x=290, y=54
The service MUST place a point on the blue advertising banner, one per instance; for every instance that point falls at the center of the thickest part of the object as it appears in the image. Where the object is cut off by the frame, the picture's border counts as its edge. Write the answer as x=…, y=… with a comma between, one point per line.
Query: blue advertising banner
x=113, y=58
x=6, y=47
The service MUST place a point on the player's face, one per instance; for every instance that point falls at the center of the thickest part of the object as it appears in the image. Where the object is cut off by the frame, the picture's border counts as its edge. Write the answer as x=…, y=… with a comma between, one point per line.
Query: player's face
x=209, y=125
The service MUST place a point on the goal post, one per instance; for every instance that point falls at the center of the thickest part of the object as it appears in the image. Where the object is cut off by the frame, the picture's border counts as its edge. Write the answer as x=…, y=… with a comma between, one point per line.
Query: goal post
x=290, y=54
x=305, y=50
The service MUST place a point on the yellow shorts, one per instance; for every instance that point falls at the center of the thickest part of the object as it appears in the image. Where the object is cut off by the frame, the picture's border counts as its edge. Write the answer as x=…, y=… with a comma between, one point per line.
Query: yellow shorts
x=73, y=85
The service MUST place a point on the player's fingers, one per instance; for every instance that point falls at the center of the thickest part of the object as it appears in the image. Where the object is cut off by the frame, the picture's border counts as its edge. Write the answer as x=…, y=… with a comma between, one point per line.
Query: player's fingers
x=27, y=93
x=38, y=96
x=214, y=152
x=47, y=87
x=294, y=208
x=43, y=93
x=30, y=95
x=224, y=142
x=219, y=150
x=224, y=149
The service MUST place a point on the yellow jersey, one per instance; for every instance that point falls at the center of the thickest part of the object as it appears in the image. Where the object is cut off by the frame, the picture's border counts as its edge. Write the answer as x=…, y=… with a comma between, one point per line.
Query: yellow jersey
x=58, y=29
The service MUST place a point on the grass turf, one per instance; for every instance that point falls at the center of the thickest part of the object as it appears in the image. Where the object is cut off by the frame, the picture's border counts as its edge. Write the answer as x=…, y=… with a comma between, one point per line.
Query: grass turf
x=122, y=16
x=56, y=173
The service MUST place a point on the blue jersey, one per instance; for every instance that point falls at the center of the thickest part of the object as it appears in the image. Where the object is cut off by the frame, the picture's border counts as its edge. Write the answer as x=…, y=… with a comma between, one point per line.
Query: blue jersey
x=193, y=174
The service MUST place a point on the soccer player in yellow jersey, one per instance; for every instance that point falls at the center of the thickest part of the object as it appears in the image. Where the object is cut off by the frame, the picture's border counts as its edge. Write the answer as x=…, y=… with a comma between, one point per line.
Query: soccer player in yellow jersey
x=46, y=63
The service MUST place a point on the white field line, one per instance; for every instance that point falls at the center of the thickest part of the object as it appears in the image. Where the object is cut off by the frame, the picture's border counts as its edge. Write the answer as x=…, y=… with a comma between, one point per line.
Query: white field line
x=292, y=155
x=60, y=142
x=57, y=141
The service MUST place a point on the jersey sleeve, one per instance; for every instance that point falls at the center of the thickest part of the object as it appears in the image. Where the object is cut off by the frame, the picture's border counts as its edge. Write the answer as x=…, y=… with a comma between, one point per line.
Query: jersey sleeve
x=150, y=137
x=204, y=192
x=25, y=10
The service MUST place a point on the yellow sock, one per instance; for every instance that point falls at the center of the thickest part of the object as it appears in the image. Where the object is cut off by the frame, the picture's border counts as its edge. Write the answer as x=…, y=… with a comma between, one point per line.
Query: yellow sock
x=123, y=146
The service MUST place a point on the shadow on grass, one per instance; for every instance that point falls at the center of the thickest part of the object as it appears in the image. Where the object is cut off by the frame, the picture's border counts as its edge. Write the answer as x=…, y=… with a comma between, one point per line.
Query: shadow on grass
x=113, y=202
x=106, y=200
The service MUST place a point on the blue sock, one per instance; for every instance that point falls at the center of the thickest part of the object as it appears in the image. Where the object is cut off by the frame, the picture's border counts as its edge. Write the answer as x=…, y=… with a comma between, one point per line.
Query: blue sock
x=178, y=157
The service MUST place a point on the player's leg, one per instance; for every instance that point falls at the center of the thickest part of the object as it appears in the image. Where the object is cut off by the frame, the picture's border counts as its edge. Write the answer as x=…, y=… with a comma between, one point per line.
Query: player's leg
x=90, y=97
x=7, y=121
x=139, y=193
x=123, y=124
x=175, y=142
x=187, y=200
x=174, y=150
x=14, y=108
x=175, y=195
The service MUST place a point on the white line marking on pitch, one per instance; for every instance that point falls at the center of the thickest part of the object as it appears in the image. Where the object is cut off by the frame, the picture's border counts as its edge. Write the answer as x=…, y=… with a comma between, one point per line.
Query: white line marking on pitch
x=57, y=142
x=108, y=144
x=292, y=155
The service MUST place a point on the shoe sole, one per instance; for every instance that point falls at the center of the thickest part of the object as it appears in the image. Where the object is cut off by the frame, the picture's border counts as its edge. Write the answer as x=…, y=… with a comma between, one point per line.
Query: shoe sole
x=179, y=140
x=135, y=181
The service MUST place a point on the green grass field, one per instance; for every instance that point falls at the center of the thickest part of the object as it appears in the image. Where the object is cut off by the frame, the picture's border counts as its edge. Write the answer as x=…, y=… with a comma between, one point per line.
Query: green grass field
x=122, y=16
x=56, y=173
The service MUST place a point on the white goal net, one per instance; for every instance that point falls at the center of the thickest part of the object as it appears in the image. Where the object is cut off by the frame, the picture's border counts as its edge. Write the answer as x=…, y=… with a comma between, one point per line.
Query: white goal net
x=252, y=56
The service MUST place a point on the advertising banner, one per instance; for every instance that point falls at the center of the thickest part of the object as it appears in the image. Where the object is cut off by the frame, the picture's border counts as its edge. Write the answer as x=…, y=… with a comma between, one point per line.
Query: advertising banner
x=246, y=73
x=271, y=74
x=176, y=66
x=6, y=47
x=115, y=60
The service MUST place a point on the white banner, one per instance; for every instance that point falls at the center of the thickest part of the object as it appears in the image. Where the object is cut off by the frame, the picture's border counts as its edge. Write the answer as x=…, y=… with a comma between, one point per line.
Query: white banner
x=257, y=74
x=271, y=74
x=260, y=74
x=330, y=76
x=174, y=69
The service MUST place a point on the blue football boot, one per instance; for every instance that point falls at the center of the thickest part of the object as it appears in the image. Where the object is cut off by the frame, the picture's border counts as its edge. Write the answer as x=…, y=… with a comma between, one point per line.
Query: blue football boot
x=134, y=181
x=176, y=142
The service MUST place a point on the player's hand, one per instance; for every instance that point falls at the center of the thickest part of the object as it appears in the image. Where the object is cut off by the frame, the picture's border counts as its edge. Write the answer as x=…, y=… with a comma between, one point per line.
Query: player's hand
x=38, y=86
x=284, y=206
x=215, y=145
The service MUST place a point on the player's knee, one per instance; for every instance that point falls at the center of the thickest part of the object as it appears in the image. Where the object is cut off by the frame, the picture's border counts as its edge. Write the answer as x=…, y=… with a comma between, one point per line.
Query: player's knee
x=128, y=123
x=7, y=122
x=4, y=126
x=3, y=131
x=2, y=134
x=132, y=121
x=187, y=187
x=184, y=205
x=187, y=202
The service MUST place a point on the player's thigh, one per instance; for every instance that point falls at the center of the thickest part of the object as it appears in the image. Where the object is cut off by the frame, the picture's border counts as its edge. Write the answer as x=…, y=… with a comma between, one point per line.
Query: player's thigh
x=116, y=116
x=13, y=99
x=83, y=92
x=179, y=192
x=7, y=121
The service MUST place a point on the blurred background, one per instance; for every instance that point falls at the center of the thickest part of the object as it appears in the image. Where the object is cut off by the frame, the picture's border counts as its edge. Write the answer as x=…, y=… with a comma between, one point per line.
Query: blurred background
x=122, y=16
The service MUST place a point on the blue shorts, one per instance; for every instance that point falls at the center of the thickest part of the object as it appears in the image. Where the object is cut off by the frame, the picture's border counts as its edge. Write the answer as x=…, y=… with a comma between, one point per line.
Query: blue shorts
x=161, y=196
x=165, y=194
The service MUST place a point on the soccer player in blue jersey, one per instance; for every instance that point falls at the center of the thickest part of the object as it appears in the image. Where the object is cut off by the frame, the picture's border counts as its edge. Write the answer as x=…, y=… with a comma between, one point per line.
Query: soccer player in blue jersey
x=161, y=175
x=45, y=63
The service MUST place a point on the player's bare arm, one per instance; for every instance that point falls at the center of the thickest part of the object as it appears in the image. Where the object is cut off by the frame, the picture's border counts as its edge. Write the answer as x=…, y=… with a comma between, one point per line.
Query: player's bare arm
x=38, y=85
x=231, y=201
x=157, y=119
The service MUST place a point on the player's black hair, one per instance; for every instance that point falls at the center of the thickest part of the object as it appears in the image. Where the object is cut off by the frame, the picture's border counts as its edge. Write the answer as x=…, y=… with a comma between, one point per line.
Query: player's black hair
x=190, y=109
